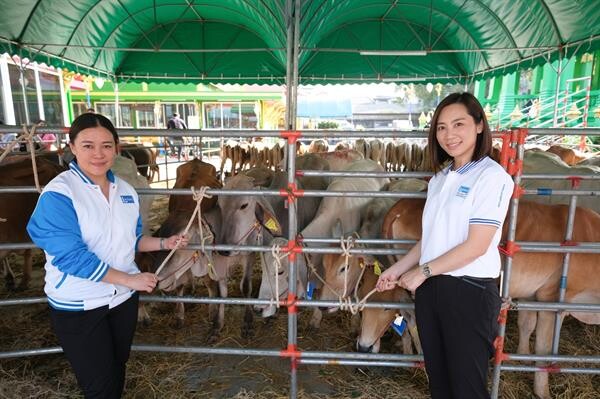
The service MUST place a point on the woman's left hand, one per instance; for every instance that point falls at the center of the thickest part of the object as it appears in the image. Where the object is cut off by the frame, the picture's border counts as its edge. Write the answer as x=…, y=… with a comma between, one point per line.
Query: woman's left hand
x=172, y=241
x=412, y=279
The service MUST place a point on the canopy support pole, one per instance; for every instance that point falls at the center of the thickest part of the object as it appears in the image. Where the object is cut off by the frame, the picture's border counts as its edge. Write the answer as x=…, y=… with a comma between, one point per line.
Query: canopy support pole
x=557, y=89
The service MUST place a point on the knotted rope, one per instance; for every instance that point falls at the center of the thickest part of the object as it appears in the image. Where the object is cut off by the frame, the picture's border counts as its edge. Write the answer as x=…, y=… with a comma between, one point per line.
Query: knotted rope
x=276, y=253
x=198, y=197
x=26, y=137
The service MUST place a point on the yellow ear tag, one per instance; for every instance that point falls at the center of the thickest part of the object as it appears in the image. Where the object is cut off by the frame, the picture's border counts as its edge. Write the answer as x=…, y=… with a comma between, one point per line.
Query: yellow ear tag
x=272, y=225
x=377, y=268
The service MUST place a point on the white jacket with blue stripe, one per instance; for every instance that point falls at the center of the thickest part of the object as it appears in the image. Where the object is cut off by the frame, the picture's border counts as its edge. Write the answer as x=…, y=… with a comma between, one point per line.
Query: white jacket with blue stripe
x=82, y=235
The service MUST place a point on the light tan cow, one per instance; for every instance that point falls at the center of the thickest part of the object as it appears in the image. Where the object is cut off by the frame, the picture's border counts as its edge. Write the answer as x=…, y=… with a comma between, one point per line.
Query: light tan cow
x=568, y=155
x=535, y=276
x=544, y=162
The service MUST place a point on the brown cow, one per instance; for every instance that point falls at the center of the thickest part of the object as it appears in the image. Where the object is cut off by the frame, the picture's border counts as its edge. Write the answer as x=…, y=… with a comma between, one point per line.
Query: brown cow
x=144, y=158
x=534, y=275
x=193, y=173
x=17, y=208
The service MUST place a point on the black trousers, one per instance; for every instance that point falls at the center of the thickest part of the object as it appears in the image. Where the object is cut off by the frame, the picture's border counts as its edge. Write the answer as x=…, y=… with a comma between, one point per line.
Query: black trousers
x=457, y=319
x=97, y=344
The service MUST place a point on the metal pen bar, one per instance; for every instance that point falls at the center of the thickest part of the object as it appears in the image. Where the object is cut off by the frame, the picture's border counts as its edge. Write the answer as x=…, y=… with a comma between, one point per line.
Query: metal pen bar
x=566, y=370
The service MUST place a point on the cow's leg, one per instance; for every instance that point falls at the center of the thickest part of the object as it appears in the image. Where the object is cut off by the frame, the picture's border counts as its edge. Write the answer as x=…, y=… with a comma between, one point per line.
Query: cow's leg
x=27, y=269
x=9, y=275
x=143, y=315
x=179, y=309
x=213, y=309
x=411, y=321
x=527, y=321
x=315, y=319
x=246, y=288
x=543, y=346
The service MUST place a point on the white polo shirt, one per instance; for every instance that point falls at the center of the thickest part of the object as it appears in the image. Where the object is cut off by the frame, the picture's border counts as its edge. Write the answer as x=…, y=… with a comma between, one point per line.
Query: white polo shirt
x=477, y=193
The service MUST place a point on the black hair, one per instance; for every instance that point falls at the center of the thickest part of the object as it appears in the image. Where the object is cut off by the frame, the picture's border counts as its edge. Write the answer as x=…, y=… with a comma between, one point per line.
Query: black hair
x=483, y=145
x=87, y=120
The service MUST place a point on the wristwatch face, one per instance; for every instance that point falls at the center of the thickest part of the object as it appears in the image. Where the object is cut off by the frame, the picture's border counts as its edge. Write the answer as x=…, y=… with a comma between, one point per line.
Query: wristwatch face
x=426, y=270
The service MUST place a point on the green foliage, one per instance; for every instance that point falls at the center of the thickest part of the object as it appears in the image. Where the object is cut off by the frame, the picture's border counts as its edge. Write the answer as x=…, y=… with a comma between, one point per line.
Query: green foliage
x=327, y=125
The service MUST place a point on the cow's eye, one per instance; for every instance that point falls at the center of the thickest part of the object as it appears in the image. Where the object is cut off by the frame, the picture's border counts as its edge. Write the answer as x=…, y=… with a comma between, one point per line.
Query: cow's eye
x=244, y=206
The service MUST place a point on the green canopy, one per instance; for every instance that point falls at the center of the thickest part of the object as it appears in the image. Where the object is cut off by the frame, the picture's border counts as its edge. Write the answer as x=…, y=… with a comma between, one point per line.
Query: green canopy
x=244, y=41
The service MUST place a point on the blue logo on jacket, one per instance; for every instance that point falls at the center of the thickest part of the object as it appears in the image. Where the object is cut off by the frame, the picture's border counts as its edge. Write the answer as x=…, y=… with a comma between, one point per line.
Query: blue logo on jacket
x=463, y=191
x=127, y=199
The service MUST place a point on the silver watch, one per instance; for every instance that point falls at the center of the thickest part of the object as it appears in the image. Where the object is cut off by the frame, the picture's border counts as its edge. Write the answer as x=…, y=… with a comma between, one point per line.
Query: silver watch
x=425, y=270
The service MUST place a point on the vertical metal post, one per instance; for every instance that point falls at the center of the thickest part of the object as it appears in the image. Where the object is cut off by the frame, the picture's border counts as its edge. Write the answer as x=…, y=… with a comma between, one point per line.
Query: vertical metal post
x=292, y=206
x=556, y=89
x=565, y=271
x=38, y=89
x=24, y=92
x=294, y=108
x=289, y=63
x=505, y=289
x=117, y=119
x=7, y=99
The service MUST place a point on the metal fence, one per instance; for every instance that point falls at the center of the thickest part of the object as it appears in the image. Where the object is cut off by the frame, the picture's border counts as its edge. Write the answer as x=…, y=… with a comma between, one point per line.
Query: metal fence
x=513, y=147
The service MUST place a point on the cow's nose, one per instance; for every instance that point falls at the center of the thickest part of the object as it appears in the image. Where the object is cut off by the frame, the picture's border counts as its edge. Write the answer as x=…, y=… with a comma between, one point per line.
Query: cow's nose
x=363, y=349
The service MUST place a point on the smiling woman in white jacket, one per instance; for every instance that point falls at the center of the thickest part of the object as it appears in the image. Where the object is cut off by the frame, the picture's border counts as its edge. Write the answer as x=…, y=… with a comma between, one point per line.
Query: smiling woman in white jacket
x=87, y=221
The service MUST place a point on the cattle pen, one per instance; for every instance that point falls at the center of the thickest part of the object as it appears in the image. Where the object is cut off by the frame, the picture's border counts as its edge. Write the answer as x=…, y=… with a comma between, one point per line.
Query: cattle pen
x=511, y=159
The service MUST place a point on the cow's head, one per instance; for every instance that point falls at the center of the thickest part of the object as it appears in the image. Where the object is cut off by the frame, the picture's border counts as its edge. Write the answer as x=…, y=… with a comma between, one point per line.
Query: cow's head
x=184, y=262
x=376, y=321
x=244, y=216
x=275, y=277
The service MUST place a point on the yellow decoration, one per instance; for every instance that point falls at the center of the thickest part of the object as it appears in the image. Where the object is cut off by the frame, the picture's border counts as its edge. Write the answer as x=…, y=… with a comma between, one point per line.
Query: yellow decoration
x=573, y=112
x=516, y=114
x=377, y=268
x=272, y=225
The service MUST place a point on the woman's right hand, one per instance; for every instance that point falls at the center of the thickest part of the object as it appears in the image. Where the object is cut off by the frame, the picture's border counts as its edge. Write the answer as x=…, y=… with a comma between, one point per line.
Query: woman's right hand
x=388, y=279
x=142, y=282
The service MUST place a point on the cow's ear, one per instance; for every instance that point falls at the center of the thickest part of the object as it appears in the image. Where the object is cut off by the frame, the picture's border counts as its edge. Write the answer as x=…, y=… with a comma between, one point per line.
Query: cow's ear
x=337, y=230
x=267, y=219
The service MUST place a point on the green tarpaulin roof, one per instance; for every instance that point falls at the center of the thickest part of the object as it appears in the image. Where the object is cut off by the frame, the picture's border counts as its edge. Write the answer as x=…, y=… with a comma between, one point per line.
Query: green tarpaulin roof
x=244, y=41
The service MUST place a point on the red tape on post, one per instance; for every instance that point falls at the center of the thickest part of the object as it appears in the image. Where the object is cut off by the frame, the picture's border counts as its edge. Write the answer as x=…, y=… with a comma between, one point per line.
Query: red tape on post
x=291, y=351
x=522, y=135
x=517, y=192
x=575, y=181
x=291, y=303
x=551, y=368
x=515, y=167
x=509, y=249
x=290, y=135
x=293, y=247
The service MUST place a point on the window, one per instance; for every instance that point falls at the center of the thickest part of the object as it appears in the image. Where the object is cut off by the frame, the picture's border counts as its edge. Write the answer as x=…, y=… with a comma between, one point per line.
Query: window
x=79, y=108
x=145, y=116
x=106, y=109
x=230, y=115
x=28, y=82
x=125, y=115
x=213, y=116
x=50, y=85
x=185, y=111
x=249, y=118
x=525, y=82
